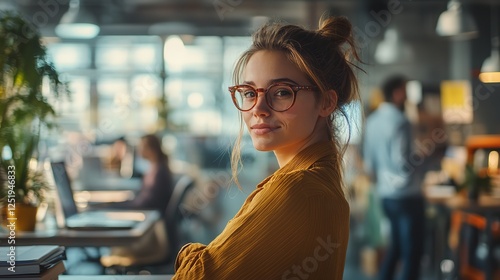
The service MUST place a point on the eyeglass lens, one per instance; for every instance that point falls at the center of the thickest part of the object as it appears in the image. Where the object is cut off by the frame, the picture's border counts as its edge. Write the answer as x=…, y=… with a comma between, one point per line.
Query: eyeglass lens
x=279, y=97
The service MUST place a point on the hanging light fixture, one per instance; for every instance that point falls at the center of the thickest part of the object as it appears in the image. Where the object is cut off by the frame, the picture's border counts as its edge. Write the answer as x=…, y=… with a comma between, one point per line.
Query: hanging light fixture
x=490, y=71
x=392, y=49
x=456, y=23
x=77, y=23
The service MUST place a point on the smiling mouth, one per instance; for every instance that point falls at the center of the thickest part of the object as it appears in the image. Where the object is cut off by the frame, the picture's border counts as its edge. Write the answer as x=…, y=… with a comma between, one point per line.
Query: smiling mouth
x=262, y=129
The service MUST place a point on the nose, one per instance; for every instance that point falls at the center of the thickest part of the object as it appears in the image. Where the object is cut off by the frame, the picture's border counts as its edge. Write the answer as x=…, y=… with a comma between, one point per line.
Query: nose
x=261, y=108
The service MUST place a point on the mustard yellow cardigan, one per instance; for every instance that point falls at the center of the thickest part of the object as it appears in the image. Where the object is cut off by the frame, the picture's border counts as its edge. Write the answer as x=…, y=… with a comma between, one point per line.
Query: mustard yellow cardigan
x=295, y=225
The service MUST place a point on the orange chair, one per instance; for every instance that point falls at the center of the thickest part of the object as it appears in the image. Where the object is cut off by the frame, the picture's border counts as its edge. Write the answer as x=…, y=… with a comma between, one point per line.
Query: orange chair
x=466, y=232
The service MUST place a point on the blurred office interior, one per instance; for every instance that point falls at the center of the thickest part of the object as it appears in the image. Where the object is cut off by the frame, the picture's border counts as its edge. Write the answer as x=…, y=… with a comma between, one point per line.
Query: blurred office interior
x=163, y=67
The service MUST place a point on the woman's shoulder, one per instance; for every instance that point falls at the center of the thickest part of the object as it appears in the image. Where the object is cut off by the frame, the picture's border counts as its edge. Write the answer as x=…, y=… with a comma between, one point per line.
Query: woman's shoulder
x=307, y=183
x=302, y=190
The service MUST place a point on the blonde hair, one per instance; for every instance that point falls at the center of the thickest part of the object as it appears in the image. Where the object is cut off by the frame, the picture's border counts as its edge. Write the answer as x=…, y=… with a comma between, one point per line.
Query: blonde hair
x=324, y=56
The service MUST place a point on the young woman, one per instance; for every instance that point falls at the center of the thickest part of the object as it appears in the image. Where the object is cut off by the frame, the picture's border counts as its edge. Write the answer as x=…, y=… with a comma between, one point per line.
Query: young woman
x=290, y=86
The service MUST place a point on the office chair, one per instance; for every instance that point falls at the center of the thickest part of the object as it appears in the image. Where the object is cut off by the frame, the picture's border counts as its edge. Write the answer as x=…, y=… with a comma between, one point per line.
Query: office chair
x=478, y=238
x=160, y=248
x=174, y=213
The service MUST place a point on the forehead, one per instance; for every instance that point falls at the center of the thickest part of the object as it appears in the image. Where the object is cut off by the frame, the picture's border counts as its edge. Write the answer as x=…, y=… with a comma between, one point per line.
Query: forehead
x=265, y=66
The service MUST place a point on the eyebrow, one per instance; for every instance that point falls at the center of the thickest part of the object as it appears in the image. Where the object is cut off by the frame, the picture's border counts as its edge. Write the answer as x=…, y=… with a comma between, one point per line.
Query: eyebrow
x=274, y=81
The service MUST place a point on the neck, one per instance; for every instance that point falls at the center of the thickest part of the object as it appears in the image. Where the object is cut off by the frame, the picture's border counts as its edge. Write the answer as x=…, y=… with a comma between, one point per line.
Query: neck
x=319, y=134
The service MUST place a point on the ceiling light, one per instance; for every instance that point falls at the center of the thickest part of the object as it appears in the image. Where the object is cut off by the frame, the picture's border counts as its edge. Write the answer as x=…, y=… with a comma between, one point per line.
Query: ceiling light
x=392, y=50
x=490, y=71
x=456, y=23
x=77, y=23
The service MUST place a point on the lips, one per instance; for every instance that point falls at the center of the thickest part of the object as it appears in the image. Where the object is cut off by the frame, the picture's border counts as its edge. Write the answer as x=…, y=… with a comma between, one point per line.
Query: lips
x=262, y=128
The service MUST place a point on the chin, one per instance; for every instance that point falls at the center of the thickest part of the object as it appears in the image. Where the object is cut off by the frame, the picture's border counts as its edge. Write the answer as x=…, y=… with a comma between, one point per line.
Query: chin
x=263, y=147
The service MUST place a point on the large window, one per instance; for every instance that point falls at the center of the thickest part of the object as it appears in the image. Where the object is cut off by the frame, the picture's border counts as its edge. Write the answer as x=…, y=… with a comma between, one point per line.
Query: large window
x=118, y=82
x=70, y=56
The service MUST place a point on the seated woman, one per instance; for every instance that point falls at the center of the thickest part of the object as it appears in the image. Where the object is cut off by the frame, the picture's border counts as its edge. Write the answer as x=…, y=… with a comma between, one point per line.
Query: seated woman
x=292, y=84
x=157, y=182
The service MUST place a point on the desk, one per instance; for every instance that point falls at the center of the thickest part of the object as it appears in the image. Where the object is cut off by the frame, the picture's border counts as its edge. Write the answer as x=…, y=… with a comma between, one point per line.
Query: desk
x=115, y=277
x=105, y=189
x=84, y=238
x=453, y=201
x=107, y=183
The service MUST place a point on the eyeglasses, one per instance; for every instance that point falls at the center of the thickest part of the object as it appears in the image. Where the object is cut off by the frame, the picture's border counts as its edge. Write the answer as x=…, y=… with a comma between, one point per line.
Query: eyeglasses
x=279, y=97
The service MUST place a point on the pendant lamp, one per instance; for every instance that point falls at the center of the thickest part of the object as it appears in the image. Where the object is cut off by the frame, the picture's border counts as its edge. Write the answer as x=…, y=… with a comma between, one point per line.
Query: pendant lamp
x=77, y=23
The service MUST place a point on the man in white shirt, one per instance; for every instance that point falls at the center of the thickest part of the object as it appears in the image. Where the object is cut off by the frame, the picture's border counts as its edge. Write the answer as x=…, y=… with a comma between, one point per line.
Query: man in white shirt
x=397, y=173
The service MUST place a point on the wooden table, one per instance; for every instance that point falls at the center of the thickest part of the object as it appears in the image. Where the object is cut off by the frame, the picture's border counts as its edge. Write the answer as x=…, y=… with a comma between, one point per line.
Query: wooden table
x=86, y=238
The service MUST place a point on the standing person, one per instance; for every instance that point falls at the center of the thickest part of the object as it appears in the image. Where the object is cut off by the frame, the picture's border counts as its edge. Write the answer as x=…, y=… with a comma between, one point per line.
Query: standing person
x=387, y=149
x=290, y=87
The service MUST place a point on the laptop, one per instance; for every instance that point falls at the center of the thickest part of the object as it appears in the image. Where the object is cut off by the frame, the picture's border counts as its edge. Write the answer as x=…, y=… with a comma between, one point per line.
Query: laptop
x=68, y=215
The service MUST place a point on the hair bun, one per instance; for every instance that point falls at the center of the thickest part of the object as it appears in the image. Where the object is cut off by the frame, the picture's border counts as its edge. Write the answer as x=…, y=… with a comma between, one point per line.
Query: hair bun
x=337, y=29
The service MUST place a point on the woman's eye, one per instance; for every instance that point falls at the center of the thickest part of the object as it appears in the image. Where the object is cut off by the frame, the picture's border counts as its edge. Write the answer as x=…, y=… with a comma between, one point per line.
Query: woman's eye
x=283, y=93
x=248, y=94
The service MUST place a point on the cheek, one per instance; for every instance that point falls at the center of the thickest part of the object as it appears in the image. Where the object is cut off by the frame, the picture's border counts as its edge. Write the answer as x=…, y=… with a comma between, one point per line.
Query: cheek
x=300, y=116
x=246, y=118
x=297, y=122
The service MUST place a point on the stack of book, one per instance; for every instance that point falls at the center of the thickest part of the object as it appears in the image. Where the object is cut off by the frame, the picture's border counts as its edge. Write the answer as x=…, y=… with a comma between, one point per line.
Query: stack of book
x=41, y=262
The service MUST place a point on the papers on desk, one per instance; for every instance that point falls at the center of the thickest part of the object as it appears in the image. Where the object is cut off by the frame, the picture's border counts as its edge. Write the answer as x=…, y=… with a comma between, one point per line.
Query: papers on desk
x=32, y=262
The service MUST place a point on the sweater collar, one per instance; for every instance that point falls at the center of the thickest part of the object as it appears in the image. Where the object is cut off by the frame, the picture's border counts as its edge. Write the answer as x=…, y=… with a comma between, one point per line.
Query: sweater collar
x=304, y=159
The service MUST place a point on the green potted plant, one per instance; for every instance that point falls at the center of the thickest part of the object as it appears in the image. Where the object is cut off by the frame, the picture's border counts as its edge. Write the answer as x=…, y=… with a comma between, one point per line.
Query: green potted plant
x=24, y=113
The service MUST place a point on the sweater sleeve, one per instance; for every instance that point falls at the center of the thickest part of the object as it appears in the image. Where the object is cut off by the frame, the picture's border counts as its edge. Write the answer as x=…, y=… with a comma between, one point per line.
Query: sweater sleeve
x=286, y=233
x=187, y=250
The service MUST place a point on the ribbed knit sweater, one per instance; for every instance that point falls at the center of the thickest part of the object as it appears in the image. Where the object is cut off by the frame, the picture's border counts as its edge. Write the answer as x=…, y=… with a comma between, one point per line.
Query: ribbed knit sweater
x=295, y=225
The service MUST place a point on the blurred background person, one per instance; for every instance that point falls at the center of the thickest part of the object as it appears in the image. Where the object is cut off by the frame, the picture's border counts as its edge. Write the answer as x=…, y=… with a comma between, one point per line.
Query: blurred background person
x=397, y=170
x=118, y=152
x=157, y=181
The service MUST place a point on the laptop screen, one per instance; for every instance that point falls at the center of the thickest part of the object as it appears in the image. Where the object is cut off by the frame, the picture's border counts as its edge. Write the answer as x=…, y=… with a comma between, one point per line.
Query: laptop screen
x=64, y=190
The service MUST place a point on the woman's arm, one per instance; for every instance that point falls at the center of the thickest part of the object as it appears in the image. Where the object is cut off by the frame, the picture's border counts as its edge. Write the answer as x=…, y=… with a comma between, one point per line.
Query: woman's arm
x=186, y=250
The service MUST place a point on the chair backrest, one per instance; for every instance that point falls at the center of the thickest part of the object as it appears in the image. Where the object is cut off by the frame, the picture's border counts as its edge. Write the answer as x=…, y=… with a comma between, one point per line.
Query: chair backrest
x=173, y=215
x=466, y=229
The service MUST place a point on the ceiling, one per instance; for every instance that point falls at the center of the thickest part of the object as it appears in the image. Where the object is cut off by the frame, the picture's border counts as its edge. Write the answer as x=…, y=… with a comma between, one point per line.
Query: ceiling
x=225, y=17
x=209, y=17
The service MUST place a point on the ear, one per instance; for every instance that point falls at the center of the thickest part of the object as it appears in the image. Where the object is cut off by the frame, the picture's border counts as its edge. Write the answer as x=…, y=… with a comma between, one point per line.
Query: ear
x=329, y=103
